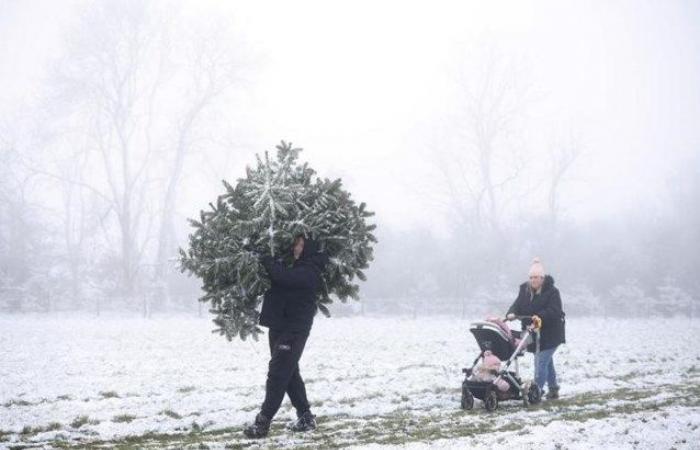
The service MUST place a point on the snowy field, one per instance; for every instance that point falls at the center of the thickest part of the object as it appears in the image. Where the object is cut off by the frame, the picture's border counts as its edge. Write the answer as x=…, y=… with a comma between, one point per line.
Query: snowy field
x=373, y=382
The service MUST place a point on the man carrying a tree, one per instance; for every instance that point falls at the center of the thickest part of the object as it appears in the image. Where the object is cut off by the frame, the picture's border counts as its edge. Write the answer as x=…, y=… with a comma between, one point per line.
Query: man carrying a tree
x=279, y=201
x=288, y=311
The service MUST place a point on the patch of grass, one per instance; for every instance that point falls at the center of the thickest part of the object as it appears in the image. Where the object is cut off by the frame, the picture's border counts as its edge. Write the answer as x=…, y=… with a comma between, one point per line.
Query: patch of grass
x=353, y=400
x=400, y=430
x=154, y=439
x=53, y=426
x=186, y=389
x=16, y=402
x=79, y=421
x=123, y=418
x=138, y=442
x=29, y=430
x=413, y=366
x=402, y=427
x=109, y=394
x=637, y=374
x=233, y=446
x=170, y=413
x=445, y=389
x=347, y=401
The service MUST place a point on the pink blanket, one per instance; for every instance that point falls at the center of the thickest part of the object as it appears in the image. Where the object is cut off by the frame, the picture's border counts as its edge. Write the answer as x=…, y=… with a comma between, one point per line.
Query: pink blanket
x=506, y=329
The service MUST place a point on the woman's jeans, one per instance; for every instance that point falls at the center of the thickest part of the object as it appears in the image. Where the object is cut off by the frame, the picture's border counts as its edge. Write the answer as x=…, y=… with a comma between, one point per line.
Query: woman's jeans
x=544, y=369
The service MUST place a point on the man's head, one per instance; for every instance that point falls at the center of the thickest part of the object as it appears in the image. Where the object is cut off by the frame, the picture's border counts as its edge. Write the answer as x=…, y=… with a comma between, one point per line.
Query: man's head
x=298, y=247
x=307, y=250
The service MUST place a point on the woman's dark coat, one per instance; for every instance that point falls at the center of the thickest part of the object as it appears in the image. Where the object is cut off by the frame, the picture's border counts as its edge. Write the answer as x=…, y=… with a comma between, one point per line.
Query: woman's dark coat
x=546, y=305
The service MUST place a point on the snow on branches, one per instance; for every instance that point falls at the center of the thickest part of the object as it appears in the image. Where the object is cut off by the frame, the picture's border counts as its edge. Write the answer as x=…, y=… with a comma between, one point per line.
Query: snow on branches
x=278, y=199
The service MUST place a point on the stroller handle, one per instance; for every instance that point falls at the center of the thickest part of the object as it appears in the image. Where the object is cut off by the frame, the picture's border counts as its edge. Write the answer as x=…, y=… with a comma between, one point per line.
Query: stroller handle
x=506, y=319
x=536, y=325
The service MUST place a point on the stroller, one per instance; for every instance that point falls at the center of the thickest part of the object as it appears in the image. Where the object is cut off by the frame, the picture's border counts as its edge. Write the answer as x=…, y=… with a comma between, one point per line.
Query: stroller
x=506, y=383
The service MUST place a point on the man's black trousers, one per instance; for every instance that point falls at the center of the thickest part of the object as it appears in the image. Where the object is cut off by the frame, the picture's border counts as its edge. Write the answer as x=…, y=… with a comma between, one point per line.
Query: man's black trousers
x=283, y=373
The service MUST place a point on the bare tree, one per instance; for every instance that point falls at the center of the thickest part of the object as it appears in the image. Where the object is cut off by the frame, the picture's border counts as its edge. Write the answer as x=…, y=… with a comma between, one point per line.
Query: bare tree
x=486, y=159
x=211, y=69
x=139, y=83
x=21, y=245
x=481, y=154
x=83, y=213
x=564, y=151
x=114, y=73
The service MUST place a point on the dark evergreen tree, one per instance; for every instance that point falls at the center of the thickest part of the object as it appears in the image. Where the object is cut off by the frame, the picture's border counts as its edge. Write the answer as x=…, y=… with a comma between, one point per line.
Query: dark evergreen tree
x=278, y=199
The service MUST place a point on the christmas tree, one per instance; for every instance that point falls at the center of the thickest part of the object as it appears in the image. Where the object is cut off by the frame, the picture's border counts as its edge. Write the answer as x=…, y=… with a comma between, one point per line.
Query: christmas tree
x=277, y=200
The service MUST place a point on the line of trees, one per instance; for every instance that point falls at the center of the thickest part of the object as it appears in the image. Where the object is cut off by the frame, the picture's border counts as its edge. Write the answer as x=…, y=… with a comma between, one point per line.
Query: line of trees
x=139, y=105
x=621, y=267
x=506, y=200
x=92, y=171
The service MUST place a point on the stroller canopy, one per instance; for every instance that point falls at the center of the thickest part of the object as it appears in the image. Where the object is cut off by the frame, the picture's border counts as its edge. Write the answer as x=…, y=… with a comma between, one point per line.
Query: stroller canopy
x=490, y=336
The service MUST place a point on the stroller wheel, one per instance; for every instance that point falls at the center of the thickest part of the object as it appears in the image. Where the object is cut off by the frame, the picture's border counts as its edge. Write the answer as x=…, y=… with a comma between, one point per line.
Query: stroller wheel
x=534, y=394
x=467, y=398
x=526, y=397
x=490, y=400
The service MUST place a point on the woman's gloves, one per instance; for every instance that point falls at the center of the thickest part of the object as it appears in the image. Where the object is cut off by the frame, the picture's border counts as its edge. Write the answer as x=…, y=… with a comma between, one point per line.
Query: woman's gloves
x=537, y=322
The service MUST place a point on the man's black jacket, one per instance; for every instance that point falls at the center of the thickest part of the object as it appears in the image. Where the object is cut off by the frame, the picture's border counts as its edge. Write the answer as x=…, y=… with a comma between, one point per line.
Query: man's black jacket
x=290, y=303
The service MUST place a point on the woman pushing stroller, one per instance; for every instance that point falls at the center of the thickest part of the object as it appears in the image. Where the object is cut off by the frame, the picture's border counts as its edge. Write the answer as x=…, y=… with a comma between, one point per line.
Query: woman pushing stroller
x=538, y=297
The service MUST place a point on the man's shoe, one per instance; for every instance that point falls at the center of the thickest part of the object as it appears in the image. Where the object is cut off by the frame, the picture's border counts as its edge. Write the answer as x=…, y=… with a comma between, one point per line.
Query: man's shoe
x=305, y=422
x=553, y=393
x=259, y=428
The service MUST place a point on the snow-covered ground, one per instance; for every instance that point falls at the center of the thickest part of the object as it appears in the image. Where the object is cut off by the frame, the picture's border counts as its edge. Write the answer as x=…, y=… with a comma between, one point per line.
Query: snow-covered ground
x=170, y=382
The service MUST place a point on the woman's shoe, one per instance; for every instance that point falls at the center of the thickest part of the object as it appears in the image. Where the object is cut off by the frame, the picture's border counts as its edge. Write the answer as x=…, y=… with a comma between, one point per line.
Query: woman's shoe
x=552, y=393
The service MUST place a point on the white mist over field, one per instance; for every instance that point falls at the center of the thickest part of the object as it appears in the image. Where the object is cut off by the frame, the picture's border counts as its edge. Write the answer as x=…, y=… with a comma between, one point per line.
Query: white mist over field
x=481, y=134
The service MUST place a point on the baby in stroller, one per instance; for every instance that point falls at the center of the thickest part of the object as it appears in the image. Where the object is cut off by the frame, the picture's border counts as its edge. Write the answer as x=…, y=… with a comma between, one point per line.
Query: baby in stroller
x=490, y=377
x=488, y=371
x=490, y=366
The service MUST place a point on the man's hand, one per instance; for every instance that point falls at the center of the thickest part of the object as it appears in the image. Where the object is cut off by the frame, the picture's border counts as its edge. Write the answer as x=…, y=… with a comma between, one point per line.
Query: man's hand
x=267, y=261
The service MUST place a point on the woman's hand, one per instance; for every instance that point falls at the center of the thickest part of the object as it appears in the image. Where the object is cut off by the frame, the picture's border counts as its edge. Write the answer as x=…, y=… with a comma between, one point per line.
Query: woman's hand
x=510, y=316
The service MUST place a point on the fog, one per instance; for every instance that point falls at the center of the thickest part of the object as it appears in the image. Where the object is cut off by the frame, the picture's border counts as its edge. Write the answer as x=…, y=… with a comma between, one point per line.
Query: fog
x=482, y=134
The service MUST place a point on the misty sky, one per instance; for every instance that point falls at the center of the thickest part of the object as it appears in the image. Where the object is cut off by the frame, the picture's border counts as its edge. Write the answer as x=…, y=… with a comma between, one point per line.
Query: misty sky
x=360, y=86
